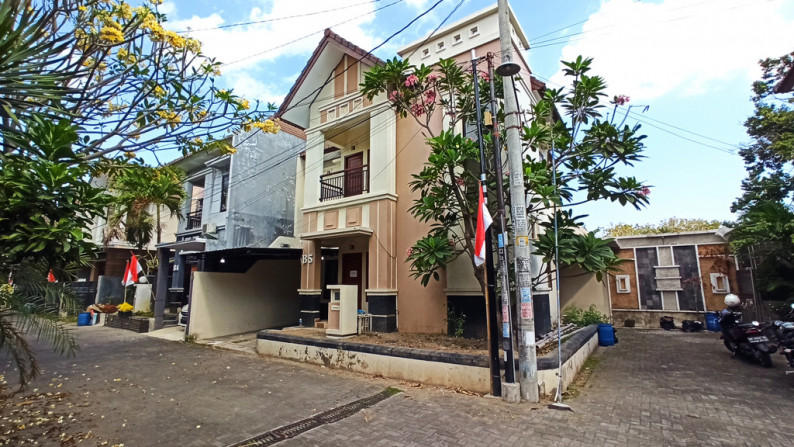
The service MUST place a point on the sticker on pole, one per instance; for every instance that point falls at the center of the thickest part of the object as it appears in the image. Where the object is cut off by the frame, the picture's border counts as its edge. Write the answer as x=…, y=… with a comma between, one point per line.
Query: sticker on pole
x=505, y=330
x=522, y=241
x=526, y=295
x=526, y=311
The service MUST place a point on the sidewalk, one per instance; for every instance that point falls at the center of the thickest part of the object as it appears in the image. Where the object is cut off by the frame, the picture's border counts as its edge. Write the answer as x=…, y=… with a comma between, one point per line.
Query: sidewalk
x=243, y=343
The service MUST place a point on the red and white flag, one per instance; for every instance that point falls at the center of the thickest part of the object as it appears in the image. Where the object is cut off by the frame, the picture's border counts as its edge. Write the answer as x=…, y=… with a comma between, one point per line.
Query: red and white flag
x=131, y=272
x=483, y=222
x=51, y=277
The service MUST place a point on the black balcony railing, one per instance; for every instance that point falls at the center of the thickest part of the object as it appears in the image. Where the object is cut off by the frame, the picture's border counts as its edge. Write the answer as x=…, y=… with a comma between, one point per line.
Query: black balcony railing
x=193, y=220
x=194, y=217
x=344, y=183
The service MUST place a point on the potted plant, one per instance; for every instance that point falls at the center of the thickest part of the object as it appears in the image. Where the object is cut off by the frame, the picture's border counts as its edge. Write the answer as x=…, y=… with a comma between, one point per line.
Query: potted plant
x=125, y=310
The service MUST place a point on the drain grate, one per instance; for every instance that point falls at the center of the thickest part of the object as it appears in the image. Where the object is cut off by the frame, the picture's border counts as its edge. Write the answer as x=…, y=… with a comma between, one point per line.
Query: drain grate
x=326, y=417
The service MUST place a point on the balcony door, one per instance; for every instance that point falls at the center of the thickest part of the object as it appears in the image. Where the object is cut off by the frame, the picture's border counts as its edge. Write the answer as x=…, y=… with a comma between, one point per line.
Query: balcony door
x=354, y=174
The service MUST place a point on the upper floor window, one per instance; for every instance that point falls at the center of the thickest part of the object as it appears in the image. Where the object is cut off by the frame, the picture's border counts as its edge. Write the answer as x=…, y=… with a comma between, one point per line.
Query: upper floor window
x=456, y=39
x=224, y=190
x=440, y=46
x=474, y=30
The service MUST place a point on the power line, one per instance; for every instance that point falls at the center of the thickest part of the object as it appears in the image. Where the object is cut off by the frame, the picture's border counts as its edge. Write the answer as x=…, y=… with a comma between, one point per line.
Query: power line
x=430, y=36
x=567, y=39
x=637, y=116
x=319, y=31
x=276, y=19
x=687, y=131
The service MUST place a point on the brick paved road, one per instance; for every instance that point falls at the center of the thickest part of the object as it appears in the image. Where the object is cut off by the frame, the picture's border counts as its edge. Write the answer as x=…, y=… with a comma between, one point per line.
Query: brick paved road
x=653, y=388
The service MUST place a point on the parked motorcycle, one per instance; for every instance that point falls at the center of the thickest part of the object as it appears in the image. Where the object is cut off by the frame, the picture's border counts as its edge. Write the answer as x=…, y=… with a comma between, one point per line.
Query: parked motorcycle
x=745, y=339
x=784, y=331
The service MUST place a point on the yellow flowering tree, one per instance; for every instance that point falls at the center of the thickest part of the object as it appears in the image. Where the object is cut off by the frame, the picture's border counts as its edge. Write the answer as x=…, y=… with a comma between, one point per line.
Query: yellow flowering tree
x=126, y=81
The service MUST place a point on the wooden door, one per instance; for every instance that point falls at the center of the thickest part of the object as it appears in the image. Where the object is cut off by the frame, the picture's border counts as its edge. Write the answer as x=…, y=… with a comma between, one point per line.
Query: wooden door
x=352, y=273
x=354, y=174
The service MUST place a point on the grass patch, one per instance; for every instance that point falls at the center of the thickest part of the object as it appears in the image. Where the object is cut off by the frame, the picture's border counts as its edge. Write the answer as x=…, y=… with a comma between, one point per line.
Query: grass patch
x=392, y=391
x=580, y=381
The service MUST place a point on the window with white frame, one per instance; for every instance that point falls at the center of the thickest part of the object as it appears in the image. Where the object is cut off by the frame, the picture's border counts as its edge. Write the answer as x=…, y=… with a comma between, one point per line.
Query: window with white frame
x=440, y=46
x=623, y=283
x=720, y=283
x=456, y=39
x=426, y=52
x=474, y=30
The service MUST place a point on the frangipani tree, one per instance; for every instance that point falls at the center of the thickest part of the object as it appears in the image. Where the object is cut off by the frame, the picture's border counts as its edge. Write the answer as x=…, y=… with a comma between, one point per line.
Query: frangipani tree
x=587, y=152
x=125, y=80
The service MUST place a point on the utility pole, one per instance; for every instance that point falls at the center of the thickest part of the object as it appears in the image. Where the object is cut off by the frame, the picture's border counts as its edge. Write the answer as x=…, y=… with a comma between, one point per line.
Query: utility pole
x=527, y=363
x=490, y=277
x=502, y=240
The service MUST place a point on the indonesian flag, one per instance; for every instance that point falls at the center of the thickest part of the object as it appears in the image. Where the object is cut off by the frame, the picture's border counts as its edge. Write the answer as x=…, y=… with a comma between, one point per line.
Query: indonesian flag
x=483, y=222
x=132, y=271
x=51, y=277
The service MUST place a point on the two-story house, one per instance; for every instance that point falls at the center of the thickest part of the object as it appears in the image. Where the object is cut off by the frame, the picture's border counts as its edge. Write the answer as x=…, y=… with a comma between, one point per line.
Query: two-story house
x=235, y=247
x=355, y=226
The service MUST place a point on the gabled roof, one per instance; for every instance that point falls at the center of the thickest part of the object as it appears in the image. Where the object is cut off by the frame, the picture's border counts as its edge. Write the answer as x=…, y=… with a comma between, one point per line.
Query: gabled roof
x=316, y=74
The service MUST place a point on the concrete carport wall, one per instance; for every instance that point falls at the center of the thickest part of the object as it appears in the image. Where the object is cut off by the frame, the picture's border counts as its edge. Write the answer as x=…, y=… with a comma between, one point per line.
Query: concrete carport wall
x=244, y=290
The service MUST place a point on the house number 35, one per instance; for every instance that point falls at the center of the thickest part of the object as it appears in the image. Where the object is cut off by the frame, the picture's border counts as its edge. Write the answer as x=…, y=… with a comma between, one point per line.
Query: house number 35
x=307, y=259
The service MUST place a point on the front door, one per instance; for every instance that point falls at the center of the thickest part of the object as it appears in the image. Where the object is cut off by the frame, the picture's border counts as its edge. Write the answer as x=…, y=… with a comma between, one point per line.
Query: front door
x=351, y=272
x=354, y=174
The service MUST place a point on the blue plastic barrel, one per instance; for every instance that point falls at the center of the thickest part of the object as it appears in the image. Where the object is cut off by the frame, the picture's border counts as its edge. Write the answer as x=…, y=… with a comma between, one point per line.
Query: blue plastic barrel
x=712, y=321
x=84, y=319
x=606, y=335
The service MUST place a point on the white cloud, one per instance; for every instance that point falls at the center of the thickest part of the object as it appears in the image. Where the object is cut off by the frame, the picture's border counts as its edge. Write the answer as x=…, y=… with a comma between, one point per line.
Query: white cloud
x=249, y=44
x=647, y=50
x=252, y=87
x=417, y=3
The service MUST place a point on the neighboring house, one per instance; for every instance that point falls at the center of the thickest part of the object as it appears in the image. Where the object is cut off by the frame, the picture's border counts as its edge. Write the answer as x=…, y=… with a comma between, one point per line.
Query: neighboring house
x=353, y=183
x=681, y=275
x=103, y=279
x=235, y=258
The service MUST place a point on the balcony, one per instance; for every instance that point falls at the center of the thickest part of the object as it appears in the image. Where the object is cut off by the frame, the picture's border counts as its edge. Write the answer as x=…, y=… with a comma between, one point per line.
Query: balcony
x=194, y=217
x=344, y=183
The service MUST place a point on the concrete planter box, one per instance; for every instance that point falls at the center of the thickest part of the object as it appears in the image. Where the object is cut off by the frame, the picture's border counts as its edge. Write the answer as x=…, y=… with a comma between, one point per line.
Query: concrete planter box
x=135, y=324
x=466, y=371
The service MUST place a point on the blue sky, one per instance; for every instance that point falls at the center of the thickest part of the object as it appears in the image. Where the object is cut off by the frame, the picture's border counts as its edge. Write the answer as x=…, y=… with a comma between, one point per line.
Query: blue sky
x=690, y=61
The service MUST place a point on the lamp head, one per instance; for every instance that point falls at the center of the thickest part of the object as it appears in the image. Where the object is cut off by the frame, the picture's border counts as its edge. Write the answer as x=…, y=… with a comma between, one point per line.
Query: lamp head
x=508, y=68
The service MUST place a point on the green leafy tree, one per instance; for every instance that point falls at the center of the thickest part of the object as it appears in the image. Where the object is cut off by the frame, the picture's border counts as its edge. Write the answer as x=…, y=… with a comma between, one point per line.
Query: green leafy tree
x=46, y=205
x=670, y=225
x=763, y=234
x=586, y=156
x=768, y=159
x=138, y=190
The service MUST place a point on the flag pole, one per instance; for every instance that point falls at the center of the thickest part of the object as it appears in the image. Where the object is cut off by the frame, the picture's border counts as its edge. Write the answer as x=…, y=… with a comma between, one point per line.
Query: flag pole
x=124, y=279
x=490, y=284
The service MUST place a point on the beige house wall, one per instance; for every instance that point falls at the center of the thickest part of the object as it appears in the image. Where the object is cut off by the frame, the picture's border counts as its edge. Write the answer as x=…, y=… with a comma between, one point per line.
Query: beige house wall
x=582, y=289
x=420, y=309
x=233, y=303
